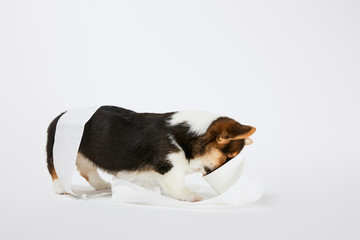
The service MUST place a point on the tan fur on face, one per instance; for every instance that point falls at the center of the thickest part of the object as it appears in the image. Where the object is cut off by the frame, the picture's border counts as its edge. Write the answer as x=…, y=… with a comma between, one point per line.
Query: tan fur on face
x=213, y=157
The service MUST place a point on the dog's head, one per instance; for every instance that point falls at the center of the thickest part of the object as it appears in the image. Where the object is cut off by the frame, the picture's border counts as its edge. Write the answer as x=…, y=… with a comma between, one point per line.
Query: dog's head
x=223, y=140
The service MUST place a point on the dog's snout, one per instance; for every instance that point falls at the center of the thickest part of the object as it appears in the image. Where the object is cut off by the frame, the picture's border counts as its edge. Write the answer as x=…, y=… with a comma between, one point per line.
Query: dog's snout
x=207, y=170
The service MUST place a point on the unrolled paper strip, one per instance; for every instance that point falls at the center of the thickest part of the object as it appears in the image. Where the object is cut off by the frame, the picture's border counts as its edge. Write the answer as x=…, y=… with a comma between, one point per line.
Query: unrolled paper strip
x=234, y=182
x=68, y=134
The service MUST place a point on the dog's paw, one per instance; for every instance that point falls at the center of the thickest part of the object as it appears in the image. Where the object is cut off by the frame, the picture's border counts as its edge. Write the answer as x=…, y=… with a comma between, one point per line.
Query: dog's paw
x=58, y=188
x=189, y=196
x=195, y=198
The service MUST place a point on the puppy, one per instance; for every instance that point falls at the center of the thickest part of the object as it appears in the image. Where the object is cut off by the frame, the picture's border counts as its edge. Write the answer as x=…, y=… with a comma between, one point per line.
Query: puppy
x=163, y=146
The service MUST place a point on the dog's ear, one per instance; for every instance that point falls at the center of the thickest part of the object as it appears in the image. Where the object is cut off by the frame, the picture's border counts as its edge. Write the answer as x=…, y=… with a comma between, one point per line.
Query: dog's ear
x=248, y=141
x=236, y=131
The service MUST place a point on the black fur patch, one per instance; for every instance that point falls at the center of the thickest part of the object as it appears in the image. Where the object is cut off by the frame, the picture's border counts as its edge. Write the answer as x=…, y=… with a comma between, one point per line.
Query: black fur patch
x=118, y=139
x=185, y=138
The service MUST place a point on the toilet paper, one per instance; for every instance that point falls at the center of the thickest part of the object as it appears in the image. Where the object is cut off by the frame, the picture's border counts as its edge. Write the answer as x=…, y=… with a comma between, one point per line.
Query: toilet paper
x=245, y=187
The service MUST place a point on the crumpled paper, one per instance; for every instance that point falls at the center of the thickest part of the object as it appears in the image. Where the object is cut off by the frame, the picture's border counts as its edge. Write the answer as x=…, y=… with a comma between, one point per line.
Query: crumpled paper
x=247, y=189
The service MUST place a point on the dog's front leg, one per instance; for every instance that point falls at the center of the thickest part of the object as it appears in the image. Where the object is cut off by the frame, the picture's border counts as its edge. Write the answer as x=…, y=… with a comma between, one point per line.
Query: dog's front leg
x=173, y=185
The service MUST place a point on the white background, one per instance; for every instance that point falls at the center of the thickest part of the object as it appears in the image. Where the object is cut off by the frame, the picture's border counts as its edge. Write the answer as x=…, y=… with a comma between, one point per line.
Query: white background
x=289, y=68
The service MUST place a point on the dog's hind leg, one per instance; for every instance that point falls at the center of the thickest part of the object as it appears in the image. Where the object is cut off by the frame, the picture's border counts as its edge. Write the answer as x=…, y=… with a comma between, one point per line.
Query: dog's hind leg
x=88, y=170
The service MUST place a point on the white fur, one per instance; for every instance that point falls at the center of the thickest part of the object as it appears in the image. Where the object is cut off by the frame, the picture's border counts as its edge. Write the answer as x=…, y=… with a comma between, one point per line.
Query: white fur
x=198, y=121
x=173, y=182
x=58, y=188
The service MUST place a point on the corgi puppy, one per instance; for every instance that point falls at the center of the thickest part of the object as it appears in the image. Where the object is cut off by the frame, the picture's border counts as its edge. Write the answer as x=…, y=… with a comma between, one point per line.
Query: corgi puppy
x=165, y=146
